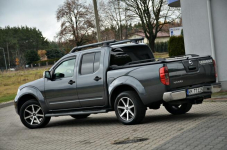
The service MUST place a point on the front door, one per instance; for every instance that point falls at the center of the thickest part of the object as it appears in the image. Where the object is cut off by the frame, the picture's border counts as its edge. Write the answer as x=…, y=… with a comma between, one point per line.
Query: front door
x=90, y=79
x=61, y=92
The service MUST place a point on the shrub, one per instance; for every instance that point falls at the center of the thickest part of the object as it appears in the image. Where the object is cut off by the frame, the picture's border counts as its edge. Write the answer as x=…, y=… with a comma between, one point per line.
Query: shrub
x=161, y=47
x=176, y=46
x=54, y=53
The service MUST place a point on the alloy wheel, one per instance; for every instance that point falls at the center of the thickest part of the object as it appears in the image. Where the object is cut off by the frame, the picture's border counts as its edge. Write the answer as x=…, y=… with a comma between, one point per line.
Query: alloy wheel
x=126, y=109
x=33, y=114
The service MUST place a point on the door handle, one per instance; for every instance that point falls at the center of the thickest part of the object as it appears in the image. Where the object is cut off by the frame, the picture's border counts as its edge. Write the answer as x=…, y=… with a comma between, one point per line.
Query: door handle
x=71, y=82
x=97, y=78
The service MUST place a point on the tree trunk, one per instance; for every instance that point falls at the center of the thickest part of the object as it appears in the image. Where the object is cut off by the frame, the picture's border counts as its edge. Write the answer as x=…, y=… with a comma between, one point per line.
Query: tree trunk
x=152, y=44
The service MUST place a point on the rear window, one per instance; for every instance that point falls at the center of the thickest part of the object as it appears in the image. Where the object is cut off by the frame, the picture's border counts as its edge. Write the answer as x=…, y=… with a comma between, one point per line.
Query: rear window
x=126, y=55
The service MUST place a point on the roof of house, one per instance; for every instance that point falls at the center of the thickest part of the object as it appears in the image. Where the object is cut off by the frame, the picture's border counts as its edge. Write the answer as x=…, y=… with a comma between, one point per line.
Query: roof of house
x=159, y=35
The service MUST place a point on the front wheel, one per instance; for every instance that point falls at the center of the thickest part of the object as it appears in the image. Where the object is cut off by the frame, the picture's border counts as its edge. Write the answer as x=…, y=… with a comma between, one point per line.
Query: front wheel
x=128, y=108
x=178, y=109
x=32, y=115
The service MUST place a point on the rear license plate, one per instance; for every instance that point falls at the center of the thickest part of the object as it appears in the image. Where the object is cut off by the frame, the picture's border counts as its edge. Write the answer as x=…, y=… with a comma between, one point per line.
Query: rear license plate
x=195, y=91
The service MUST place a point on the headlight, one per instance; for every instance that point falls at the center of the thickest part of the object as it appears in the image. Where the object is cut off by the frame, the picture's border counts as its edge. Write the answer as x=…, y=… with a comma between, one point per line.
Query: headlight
x=18, y=91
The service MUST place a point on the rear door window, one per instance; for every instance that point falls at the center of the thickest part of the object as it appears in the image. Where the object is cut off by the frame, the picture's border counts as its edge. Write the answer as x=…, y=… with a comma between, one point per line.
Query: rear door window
x=90, y=63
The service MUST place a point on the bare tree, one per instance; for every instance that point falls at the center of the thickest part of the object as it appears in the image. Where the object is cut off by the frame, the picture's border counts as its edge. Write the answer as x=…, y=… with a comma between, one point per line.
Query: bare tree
x=113, y=14
x=153, y=14
x=77, y=20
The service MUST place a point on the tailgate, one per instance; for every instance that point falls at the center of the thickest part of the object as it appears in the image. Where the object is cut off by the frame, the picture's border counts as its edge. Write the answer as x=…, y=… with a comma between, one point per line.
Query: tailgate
x=191, y=71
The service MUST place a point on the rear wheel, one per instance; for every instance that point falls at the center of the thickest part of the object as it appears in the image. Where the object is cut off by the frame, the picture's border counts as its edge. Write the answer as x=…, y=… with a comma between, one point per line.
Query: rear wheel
x=178, y=109
x=80, y=116
x=128, y=108
x=32, y=115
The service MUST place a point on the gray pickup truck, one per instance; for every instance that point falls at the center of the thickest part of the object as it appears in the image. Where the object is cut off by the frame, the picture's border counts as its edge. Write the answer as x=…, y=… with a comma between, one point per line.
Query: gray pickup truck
x=120, y=76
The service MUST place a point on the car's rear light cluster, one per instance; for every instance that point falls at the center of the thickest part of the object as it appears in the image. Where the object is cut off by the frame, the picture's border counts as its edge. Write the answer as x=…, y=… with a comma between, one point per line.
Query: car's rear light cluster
x=216, y=74
x=164, y=75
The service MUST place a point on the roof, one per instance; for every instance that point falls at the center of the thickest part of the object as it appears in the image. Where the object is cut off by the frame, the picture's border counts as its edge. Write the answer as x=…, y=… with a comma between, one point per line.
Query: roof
x=159, y=35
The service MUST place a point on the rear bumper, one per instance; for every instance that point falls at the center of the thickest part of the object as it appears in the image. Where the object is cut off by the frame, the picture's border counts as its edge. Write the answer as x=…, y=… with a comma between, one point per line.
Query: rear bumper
x=181, y=94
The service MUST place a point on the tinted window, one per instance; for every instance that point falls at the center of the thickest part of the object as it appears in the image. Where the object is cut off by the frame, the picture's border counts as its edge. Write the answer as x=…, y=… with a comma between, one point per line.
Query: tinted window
x=97, y=61
x=90, y=63
x=65, y=69
x=125, y=55
x=87, y=63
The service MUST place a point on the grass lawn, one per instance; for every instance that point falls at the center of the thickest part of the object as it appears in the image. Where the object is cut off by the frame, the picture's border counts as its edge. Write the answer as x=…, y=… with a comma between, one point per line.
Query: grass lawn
x=11, y=80
x=161, y=55
x=7, y=98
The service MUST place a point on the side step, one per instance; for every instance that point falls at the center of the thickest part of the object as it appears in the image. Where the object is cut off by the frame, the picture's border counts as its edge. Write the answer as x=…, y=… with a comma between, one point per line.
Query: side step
x=77, y=113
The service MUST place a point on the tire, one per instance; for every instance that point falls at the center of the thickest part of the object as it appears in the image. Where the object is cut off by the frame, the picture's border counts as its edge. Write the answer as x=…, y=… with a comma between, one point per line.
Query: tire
x=132, y=106
x=80, y=116
x=178, y=109
x=32, y=116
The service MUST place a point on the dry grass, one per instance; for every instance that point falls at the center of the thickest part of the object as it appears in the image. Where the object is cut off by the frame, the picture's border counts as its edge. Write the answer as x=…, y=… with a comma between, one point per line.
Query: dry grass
x=161, y=55
x=11, y=80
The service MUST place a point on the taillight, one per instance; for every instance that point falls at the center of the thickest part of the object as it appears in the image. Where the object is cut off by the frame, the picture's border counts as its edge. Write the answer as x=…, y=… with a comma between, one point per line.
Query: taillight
x=164, y=75
x=216, y=75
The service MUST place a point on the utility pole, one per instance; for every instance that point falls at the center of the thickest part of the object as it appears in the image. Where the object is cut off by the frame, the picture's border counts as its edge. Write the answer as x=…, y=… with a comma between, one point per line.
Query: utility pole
x=4, y=57
x=8, y=54
x=97, y=20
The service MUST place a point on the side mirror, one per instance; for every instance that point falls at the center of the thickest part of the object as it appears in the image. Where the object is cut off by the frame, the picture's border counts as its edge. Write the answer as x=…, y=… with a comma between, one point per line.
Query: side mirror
x=61, y=75
x=46, y=74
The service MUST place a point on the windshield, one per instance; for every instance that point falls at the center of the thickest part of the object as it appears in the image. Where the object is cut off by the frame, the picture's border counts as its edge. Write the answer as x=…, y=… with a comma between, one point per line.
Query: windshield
x=130, y=55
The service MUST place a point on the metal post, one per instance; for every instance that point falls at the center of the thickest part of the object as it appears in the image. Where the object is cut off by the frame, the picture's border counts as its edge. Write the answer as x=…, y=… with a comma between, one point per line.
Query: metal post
x=8, y=55
x=97, y=20
x=4, y=57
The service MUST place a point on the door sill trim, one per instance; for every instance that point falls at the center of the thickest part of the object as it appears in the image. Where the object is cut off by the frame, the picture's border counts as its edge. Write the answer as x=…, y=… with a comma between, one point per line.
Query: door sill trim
x=76, y=113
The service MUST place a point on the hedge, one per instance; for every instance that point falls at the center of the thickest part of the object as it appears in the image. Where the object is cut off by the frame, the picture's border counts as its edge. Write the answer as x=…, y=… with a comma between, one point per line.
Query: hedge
x=176, y=46
x=161, y=47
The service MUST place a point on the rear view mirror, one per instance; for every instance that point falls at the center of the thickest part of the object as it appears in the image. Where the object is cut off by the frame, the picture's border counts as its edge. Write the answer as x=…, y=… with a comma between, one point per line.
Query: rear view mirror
x=47, y=75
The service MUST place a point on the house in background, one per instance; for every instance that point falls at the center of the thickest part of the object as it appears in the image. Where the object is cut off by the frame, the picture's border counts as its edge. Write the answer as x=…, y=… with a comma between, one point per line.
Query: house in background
x=161, y=36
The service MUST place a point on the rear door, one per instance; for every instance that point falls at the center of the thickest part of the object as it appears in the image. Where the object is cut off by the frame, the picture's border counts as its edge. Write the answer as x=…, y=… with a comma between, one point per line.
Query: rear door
x=190, y=72
x=90, y=79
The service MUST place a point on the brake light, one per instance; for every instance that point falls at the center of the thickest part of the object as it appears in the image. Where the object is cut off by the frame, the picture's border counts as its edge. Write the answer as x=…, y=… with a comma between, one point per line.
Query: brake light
x=216, y=75
x=164, y=75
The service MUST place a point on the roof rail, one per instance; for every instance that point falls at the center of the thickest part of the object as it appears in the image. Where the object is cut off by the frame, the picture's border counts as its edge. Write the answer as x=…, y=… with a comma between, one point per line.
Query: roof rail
x=105, y=43
x=129, y=40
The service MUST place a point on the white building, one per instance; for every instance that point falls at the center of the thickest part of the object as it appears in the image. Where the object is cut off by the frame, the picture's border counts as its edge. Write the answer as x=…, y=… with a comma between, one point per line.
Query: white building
x=205, y=30
x=161, y=36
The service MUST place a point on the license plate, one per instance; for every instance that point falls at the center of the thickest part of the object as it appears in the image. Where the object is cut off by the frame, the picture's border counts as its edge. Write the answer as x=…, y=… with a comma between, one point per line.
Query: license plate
x=195, y=91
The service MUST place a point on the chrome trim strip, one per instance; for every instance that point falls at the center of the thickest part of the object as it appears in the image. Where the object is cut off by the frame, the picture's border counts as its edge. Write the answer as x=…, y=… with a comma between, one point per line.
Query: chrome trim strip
x=63, y=102
x=91, y=99
x=52, y=103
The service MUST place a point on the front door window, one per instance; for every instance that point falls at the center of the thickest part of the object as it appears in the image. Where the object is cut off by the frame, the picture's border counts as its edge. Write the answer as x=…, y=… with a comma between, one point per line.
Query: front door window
x=65, y=69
